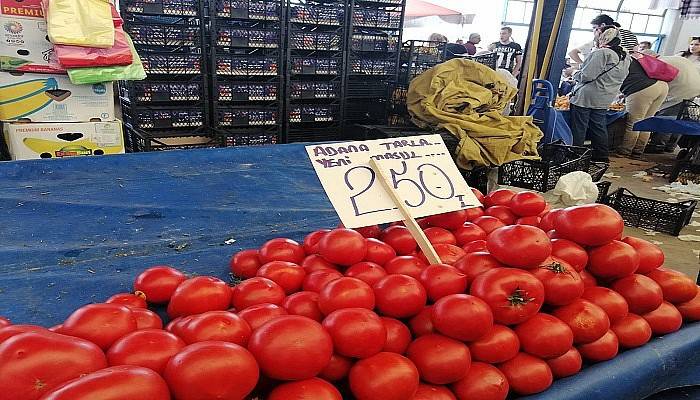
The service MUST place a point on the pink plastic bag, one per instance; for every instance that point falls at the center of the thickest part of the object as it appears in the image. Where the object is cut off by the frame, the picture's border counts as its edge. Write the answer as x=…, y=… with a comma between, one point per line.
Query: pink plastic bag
x=657, y=69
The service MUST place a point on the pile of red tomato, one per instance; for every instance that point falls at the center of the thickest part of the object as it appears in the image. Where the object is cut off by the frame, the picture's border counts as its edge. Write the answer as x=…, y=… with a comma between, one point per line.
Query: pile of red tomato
x=524, y=295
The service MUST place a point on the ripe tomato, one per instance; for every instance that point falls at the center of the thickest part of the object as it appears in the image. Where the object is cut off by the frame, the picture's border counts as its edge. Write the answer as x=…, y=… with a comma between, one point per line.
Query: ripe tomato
x=34, y=363
x=4, y=322
x=212, y=370
x=159, y=283
x=612, y=260
x=588, y=279
x=258, y=314
x=448, y=254
x=602, y=349
x=311, y=241
x=422, y=323
x=440, y=280
x=545, y=336
x=483, y=381
x=690, y=310
x=309, y=389
x=500, y=197
x=498, y=345
x=566, y=365
x=406, y=265
x=614, y=305
x=122, y=382
x=146, y=319
x=527, y=204
x=149, y=348
x=314, y=262
x=288, y=275
x=317, y=280
x=474, y=213
x=512, y=294
x=589, y=224
x=631, y=331
x=433, y=392
x=643, y=295
x=547, y=221
x=198, y=295
x=651, y=256
x=343, y=247
x=345, y=293
x=398, y=337
x=468, y=233
x=216, y=326
x=676, y=286
x=478, y=194
x=256, y=291
x=473, y=247
x=562, y=284
x=89, y=323
x=128, y=299
x=281, y=249
x=366, y=271
x=400, y=239
x=532, y=221
x=474, y=264
x=503, y=213
x=12, y=330
x=664, y=320
x=304, y=304
x=519, y=246
x=439, y=359
x=570, y=252
x=488, y=224
x=245, y=263
x=378, y=252
x=462, y=317
x=399, y=296
x=338, y=368
x=372, y=231
x=437, y=235
x=356, y=332
x=587, y=321
x=450, y=220
x=384, y=376
x=527, y=374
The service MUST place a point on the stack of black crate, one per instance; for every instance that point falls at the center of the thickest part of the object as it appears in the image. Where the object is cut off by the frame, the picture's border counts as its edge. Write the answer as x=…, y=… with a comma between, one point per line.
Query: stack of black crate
x=316, y=39
x=246, y=50
x=170, y=108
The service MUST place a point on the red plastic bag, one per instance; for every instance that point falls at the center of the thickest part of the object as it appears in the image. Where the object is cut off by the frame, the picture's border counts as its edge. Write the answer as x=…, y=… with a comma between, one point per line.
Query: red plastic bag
x=657, y=69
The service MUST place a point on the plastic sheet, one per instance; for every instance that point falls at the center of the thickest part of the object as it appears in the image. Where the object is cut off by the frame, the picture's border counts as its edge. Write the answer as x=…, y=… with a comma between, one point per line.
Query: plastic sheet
x=89, y=75
x=85, y=23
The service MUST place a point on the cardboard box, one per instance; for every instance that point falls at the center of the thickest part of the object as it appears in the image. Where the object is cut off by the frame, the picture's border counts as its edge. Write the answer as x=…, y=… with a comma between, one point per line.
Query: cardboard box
x=24, y=46
x=22, y=8
x=60, y=140
x=52, y=98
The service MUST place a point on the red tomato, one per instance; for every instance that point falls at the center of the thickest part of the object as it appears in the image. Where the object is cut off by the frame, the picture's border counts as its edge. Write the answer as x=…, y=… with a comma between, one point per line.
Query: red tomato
x=562, y=284
x=101, y=324
x=345, y=293
x=438, y=235
x=12, y=330
x=398, y=336
x=400, y=239
x=545, y=336
x=602, y=349
x=311, y=241
x=212, y=370
x=450, y=220
x=291, y=348
x=128, y=299
x=501, y=197
x=527, y=374
x=547, y=221
x=631, y=331
x=288, y=275
x=483, y=382
x=514, y=295
x=372, y=231
x=317, y=280
x=440, y=280
x=220, y=326
x=399, y=296
x=422, y=323
x=314, y=263
x=478, y=194
x=474, y=213
x=384, y=376
x=532, y=221
x=198, y=295
x=651, y=256
x=281, y=249
x=503, y=213
x=664, y=320
x=587, y=321
x=498, y=345
x=146, y=319
x=570, y=252
x=527, y=204
x=343, y=247
x=568, y=364
x=643, y=295
x=690, y=310
x=488, y=224
x=378, y=252
x=366, y=271
x=468, y=233
x=115, y=383
x=473, y=247
x=149, y=348
x=4, y=322
x=433, y=392
x=676, y=286
x=519, y=246
x=258, y=314
x=338, y=368
x=309, y=389
x=612, y=260
x=304, y=304
x=588, y=279
x=463, y=317
x=614, y=305
x=256, y=291
x=473, y=264
x=589, y=224
x=356, y=332
x=439, y=359
x=448, y=254
x=406, y=265
x=159, y=283
x=245, y=263
x=35, y=363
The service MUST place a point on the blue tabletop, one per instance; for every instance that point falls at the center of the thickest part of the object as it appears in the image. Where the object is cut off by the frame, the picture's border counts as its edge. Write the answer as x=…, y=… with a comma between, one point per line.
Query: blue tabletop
x=668, y=125
x=78, y=230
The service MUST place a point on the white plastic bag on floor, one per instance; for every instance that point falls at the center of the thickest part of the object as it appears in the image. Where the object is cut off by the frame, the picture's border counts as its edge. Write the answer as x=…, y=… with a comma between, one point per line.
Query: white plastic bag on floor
x=573, y=189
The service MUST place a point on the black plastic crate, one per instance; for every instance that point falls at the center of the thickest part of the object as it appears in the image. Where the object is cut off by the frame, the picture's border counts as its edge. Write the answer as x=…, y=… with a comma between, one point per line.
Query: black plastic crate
x=315, y=40
x=362, y=89
x=597, y=169
x=313, y=113
x=421, y=51
x=166, y=117
x=315, y=66
x=318, y=14
x=373, y=41
x=172, y=64
x=190, y=8
x=246, y=65
x=139, y=141
x=372, y=67
x=149, y=91
x=306, y=90
x=248, y=139
x=247, y=116
x=690, y=111
x=372, y=17
x=324, y=134
x=391, y=2
x=488, y=59
x=543, y=175
x=603, y=189
x=651, y=214
x=366, y=111
x=260, y=10
x=163, y=32
x=246, y=91
x=241, y=36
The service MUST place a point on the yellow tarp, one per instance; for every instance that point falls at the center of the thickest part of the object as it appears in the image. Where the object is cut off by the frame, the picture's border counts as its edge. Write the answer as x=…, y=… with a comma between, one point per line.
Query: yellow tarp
x=86, y=23
x=466, y=98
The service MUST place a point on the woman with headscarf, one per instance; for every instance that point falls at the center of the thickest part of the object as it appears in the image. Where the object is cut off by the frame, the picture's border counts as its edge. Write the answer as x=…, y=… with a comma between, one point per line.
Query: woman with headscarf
x=597, y=84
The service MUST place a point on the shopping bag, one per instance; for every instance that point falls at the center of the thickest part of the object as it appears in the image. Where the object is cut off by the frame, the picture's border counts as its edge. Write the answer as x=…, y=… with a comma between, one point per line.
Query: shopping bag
x=656, y=69
x=85, y=23
x=90, y=75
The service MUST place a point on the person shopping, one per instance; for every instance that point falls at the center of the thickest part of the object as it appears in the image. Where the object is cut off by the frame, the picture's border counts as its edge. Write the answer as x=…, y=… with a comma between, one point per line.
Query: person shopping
x=597, y=84
x=693, y=52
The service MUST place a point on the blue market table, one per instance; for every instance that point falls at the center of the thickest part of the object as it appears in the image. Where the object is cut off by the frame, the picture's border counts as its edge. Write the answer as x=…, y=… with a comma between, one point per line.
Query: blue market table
x=687, y=160
x=76, y=231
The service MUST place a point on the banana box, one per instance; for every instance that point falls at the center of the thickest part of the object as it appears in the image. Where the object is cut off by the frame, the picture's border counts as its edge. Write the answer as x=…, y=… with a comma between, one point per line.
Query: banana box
x=61, y=140
x=24, y=46
x=53, y=98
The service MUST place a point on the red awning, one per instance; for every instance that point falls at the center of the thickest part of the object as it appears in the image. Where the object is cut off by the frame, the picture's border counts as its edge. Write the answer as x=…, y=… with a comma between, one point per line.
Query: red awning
x=421, y=8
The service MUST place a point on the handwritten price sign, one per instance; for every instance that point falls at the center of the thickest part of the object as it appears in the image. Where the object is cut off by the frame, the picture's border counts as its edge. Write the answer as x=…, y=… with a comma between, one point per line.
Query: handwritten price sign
x=419, y=168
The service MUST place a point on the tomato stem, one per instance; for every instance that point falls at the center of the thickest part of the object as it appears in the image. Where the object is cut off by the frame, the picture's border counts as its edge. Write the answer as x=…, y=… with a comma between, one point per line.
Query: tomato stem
x=557, y=268
x=519, y=297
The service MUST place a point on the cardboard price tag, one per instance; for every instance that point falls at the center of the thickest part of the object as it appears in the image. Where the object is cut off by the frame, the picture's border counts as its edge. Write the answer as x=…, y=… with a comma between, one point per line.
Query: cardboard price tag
x=420, y=170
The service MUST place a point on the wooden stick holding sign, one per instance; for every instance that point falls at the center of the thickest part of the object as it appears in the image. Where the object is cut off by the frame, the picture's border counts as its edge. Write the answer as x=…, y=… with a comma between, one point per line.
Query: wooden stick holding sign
x=408, y=219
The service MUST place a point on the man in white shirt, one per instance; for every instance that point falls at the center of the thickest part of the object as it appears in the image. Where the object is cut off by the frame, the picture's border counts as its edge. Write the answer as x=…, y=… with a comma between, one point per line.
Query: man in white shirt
x=581, y=52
